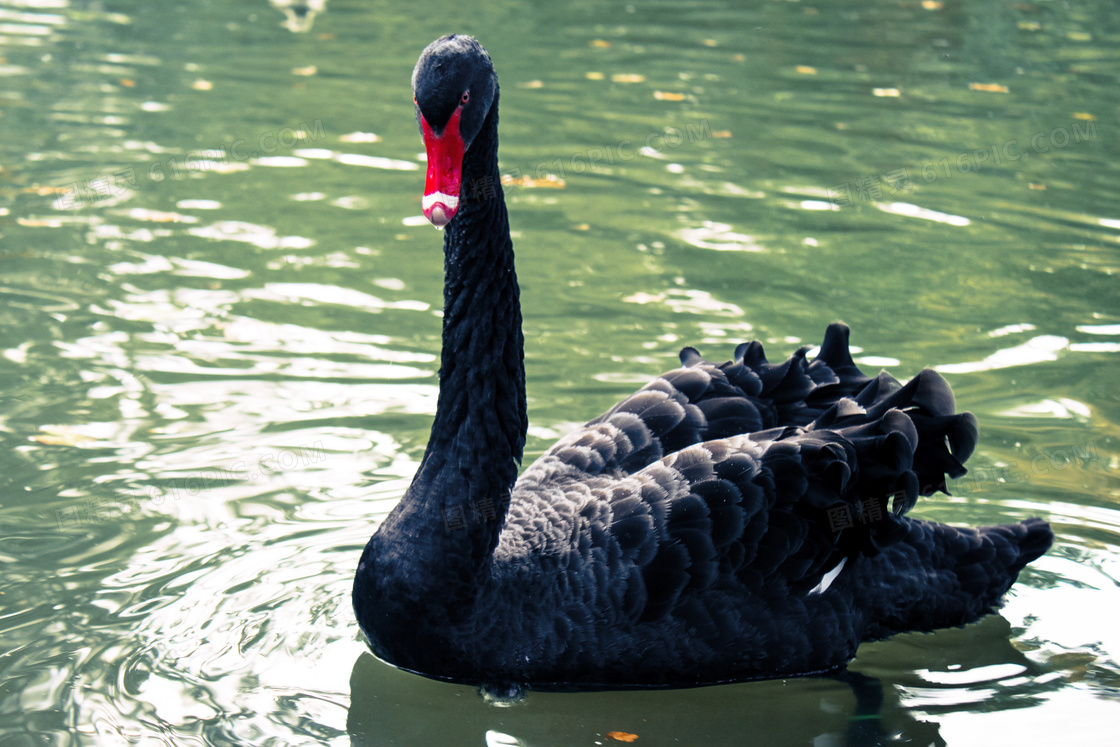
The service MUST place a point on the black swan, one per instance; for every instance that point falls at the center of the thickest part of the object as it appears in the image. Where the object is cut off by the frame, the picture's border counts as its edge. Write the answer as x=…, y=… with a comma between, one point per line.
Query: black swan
x=726, y=522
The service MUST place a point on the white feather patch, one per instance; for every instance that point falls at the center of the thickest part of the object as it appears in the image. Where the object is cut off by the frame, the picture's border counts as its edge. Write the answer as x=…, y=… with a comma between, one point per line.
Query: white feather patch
x=828, y=578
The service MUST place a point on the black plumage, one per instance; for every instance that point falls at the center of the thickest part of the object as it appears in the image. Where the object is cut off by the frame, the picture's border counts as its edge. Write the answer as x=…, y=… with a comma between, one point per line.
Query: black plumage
x=727, y=521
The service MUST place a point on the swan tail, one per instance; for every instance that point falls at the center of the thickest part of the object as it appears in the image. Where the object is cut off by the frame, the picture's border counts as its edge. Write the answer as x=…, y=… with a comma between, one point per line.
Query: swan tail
x=942, y=576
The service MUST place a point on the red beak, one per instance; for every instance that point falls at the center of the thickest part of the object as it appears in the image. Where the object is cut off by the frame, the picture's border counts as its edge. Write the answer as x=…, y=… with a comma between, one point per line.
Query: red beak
x=445, y=171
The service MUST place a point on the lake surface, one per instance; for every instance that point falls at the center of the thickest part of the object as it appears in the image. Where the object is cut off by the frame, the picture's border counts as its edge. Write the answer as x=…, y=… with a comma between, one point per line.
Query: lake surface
x=219, y=333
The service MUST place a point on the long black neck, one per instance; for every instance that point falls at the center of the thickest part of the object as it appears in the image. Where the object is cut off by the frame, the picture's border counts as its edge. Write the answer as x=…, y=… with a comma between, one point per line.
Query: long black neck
x=481, y=411
x=462, y=488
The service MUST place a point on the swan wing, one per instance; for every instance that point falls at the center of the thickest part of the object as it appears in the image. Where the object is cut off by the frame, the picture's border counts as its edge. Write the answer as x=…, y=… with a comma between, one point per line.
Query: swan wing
x=702, y=401
x=663, y=513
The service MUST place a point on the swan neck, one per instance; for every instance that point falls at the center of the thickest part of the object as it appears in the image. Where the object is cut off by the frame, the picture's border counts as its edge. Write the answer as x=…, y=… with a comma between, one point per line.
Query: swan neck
x=478, y=435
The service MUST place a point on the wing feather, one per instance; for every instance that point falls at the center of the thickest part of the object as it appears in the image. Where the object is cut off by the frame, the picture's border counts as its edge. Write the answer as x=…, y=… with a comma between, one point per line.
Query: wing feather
x=764, y=475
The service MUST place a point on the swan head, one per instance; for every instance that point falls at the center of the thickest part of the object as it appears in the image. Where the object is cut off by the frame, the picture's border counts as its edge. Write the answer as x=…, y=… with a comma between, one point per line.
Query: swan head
x=453, y=88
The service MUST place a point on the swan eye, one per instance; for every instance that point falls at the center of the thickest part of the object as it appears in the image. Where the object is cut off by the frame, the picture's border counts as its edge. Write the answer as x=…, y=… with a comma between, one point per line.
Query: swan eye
x=465, y=97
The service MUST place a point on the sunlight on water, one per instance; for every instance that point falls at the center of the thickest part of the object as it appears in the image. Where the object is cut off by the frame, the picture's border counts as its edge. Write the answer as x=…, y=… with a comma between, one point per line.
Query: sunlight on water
x=913, y=211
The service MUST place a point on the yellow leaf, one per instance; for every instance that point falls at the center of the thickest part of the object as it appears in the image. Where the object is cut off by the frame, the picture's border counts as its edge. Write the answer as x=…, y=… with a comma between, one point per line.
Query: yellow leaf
x=600, y=43
x=989, y=87
x=627, y=78
x=42, y=191
x=668, y=96
x=622, y=736
x=61, y=435
x=38, y=222
x=552, y=182
x=1085, y=116
x=806, y=70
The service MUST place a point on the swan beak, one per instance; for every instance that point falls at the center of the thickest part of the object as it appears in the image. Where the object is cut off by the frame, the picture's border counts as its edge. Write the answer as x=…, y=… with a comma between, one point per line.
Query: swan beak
x=445, y=171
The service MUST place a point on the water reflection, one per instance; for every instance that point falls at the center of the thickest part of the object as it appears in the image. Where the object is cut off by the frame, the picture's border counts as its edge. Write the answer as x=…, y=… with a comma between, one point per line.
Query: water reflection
x=798, y=711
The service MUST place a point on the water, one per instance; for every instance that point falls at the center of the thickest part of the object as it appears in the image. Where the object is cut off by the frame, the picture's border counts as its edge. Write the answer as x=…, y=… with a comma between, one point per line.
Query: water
x=219, y=333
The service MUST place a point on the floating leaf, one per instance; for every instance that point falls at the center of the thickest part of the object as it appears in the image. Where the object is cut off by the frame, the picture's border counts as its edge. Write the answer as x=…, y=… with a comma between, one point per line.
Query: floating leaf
x=533, y=84
x=550, y=181
x=989, y=87
x=1086, y=116
x=668, y=96
x=305, y=71
x=128, y=82
x=600, y=43
x=43, y=191
x=886, y=92
x=595, y=76
x=61, y=435
x=805, y=70
x=202, y=85
x=628, y=78
x=933, y=4
x=39, y=222
x=622, y=736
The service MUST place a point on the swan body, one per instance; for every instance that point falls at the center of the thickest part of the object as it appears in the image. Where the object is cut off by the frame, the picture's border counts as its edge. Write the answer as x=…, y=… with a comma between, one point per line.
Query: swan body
x=726, y=522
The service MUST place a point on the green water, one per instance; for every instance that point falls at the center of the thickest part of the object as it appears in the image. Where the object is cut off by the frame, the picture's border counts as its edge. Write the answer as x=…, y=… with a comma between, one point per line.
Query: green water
x=219, y=333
